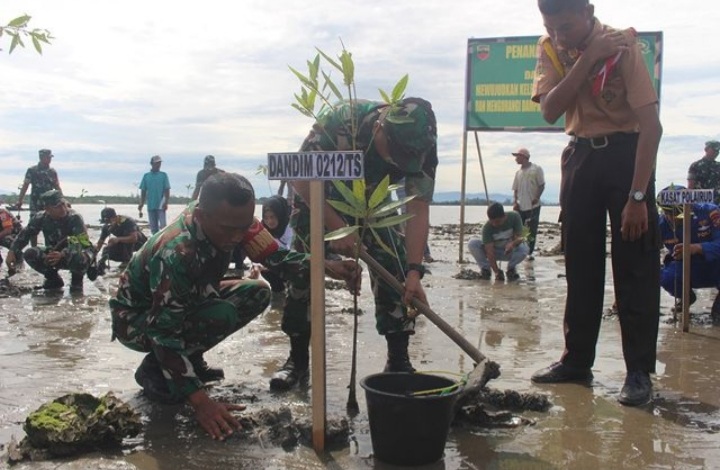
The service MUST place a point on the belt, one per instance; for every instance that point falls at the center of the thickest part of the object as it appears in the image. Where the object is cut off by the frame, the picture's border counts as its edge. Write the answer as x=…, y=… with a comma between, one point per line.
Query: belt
x=603, y=141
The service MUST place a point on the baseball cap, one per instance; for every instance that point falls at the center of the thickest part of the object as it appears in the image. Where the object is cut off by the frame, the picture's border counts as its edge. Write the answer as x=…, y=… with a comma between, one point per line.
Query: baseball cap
x=713, y=144
x=411, y=130
x=155, y=159
x=107, y=214
x=521, y=152
x=45, y=153
x=52, y=197
x=209, y=160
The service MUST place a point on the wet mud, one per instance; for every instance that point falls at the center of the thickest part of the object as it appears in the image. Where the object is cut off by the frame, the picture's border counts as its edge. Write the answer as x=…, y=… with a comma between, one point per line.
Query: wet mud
x=54, y=343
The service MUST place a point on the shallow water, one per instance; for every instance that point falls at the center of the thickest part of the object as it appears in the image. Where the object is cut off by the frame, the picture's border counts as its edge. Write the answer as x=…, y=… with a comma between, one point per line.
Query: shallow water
x=59, y=343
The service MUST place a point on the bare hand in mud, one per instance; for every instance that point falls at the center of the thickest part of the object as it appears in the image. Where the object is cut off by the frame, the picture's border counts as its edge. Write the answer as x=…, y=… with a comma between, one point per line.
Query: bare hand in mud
x=213, y=416
x=346, y=270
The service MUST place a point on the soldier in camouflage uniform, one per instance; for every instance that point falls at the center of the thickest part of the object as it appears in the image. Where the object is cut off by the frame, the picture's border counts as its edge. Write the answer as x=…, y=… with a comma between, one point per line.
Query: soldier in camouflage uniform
x=126, y=239
x=67, y=245
x=173, y=303
x=43, y=179
x=398, y=141
x=10, y=226
x=705, y=173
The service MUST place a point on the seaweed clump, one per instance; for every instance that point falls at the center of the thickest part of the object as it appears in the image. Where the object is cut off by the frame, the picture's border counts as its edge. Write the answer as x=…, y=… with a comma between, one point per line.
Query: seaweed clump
x=74, y=424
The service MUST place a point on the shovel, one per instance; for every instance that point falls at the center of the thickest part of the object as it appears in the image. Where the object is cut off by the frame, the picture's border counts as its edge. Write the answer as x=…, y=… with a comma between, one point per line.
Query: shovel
x=484, y=370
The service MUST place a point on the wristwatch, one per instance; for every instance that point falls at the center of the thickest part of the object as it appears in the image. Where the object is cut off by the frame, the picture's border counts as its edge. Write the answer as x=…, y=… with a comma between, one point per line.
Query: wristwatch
x=416, y=267
x=637, y=196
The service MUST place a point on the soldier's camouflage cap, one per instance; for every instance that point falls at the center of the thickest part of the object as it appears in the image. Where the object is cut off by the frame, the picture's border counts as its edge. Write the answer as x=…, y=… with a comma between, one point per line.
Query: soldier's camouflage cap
x=713, y=144
x=411, y=130
x=52, y=198
x=45, y=153
x=209, y=160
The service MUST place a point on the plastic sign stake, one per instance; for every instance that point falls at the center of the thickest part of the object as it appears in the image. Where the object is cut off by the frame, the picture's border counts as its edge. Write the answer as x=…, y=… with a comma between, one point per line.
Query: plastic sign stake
x=317, y=167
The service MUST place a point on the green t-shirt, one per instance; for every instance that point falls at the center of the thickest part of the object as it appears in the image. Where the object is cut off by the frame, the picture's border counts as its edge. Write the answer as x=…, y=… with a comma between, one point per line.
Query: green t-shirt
x=504, y=233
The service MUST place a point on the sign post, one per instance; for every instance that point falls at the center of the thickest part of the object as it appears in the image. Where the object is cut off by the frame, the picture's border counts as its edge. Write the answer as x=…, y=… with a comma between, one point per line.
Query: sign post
x=686, y=198
x=317, y=167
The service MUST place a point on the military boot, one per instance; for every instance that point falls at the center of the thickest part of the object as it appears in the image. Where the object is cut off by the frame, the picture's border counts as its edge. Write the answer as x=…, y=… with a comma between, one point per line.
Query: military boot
x=52, y=281
x=398, y=359
x=76, y=282
x=203, y=371
x=295, y=368
x=150, y=377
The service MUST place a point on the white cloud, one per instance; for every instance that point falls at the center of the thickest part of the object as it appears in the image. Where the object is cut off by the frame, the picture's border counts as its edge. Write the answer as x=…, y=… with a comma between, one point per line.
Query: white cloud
x=126, y=80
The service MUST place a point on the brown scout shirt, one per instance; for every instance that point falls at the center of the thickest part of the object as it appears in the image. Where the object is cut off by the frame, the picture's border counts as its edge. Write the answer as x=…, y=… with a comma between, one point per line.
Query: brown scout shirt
x=627, y=88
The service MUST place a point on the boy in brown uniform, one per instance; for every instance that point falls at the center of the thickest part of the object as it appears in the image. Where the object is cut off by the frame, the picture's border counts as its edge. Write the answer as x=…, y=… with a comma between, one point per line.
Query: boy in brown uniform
x=595, y=76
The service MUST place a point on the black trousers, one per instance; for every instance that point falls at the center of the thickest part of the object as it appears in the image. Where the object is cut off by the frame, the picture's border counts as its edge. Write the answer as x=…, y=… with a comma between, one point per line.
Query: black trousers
x=596, y=183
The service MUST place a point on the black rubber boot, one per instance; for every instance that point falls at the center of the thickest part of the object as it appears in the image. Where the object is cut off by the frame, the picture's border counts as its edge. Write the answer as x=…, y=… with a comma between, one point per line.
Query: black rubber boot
x=295, y=368
x=150, y=377
x=52, y=281
x=398, y=359
x=76, y=282
x=203, y=371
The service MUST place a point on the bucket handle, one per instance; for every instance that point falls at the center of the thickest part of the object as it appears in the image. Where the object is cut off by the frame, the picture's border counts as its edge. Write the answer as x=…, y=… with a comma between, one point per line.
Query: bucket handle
x=462, y=381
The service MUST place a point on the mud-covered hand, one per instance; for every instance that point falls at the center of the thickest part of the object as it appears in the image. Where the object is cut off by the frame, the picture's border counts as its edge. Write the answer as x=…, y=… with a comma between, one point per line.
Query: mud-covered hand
x=413, y=288
x=213, y=416
x=346, y=246
x=345, y=270
x=54, y=257
x=634, y=221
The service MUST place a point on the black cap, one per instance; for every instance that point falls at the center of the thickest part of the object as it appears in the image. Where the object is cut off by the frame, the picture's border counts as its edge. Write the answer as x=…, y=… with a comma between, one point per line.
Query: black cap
x=107, y=214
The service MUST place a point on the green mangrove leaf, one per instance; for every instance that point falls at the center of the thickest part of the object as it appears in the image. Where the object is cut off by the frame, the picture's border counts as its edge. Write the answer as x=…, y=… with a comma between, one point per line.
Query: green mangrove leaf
x=332, y=86
x=19, y=22
x=398, y=92
x=349, y=196
x=390, y=221
x=380, y=193
x=382, y=244
x=331, y=60
x=346, y=209
x=359, y=190
x=391, y=207
x=341, y=232
x=384, y=95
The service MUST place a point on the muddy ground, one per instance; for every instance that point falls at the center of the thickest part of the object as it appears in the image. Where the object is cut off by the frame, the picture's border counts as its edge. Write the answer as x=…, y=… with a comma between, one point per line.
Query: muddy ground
x=53, y=344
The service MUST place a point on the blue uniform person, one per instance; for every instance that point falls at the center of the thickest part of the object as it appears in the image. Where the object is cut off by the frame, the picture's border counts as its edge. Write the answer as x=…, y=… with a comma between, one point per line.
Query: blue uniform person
x=704, y=250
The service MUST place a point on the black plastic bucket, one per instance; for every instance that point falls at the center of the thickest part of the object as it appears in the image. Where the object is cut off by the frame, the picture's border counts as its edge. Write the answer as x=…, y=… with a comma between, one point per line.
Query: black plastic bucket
x=408, y=429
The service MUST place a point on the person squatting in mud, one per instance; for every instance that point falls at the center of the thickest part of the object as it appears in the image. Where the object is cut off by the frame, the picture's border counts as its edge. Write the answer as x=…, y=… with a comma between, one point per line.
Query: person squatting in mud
x=67, y=246
x=174, y=305
x=399, y=141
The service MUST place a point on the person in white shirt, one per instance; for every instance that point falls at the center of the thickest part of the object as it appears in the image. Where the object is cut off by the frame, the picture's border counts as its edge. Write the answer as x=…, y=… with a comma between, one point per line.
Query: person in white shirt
x=528, y=186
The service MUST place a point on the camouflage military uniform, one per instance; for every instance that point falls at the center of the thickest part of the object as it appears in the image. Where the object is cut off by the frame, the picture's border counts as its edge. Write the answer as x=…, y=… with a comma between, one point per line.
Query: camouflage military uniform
x=169, y=299
x=122, y=227
x=67, y=235
x=706, y=175
x=42, y=178
x=415, y=160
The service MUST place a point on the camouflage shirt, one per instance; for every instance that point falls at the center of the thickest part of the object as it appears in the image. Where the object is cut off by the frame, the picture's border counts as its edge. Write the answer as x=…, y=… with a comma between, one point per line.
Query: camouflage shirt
x=332, y=131
x=179, y=269
x=67, y=234
x=123, y=227
x=706, y=175
x=42, y=178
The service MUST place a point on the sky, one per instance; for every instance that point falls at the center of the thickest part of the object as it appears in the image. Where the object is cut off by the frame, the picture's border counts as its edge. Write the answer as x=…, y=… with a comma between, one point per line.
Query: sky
x=123, y=81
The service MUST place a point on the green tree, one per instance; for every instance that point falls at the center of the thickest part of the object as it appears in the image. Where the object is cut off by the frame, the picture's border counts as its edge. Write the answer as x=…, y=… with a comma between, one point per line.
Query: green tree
x=18, y=30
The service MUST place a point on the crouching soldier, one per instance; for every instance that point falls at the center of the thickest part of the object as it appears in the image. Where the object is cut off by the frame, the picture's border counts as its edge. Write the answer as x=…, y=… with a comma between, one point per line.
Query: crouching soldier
x=67, y=245
x=126, y=239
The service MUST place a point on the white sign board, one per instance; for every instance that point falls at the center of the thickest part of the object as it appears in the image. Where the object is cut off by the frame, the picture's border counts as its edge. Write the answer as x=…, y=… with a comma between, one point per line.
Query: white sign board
x=678, y=197
x=316, y=166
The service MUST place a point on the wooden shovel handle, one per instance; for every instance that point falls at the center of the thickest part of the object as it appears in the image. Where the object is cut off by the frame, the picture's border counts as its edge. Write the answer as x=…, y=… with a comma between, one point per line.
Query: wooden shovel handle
x=423, y=308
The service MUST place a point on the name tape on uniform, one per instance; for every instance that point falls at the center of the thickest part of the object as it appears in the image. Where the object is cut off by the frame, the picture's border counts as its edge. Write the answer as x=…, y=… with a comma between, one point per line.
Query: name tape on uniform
x=679, y=197
x=316, y=166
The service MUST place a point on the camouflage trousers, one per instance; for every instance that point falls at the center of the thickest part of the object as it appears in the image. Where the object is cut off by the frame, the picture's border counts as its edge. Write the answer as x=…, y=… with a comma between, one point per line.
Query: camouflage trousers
x=390, y=313
x=75, y=261
x=205, y=326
